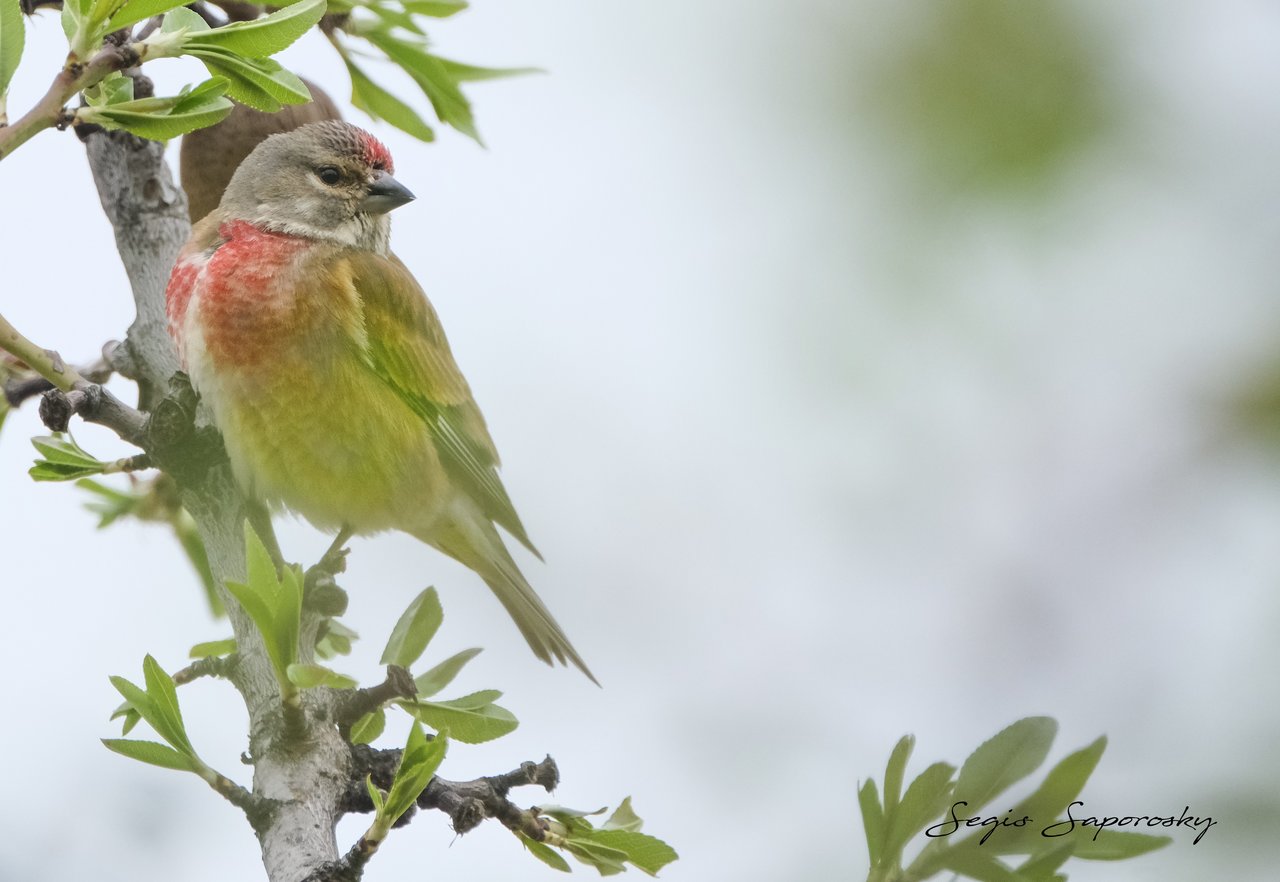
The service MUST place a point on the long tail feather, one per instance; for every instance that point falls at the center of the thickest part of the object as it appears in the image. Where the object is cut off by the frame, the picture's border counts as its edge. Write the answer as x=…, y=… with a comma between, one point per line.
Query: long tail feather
x=475, y=543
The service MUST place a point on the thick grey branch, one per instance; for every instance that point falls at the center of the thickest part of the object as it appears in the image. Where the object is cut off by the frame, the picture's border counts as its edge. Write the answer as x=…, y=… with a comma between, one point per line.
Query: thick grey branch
x=303, y=779
x=467, y=803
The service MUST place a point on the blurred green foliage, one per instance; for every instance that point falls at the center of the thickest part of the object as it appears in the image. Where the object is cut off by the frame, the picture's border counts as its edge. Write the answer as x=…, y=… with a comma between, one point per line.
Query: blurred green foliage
x=992, y=96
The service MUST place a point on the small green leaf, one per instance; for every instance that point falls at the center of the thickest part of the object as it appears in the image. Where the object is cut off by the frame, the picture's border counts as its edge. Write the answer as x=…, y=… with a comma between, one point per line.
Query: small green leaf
x=431, y=75
x=473, y=701
x=1115, y=845
x=1042, y=867
x=643, y=851
x=336, y=639
x=157, y=125
x=417, y=625
x=924, y=800
x=623, y=818
x=545, y=853
x=608, y=861
x=470, y=726
x=469, y=73
x=213, y=648
x=442, y=674
x=260, y=83
x=435, y=8
x=872, y=820
x=64, y=460
x=130, y=716
x=418, y=764
x=13, y=35
x=376, y=796
x=311, y=676
x=381, y=104
x=978, y=864
x=261, y=37
x=164, y=700
x=183, y=19
x=367, y=729
x=1004, y=759
x=150, y=752
x=895, y=770
x=135, y=11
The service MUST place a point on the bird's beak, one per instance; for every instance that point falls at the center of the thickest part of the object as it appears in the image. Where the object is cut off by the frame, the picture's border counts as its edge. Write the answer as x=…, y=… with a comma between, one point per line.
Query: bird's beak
x=385, y=193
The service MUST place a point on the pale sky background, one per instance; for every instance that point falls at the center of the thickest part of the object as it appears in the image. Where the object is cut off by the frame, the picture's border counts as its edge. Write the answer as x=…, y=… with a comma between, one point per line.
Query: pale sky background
x=821, y=445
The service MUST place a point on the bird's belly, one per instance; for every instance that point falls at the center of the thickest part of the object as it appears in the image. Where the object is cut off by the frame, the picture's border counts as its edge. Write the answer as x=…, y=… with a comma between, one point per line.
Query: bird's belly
x=333, y=445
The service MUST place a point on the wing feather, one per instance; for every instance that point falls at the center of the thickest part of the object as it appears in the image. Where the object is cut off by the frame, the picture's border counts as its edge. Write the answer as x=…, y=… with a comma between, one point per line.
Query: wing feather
x=405, y=346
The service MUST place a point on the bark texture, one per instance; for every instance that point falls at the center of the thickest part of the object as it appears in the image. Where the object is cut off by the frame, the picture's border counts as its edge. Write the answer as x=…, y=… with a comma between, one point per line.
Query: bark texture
x=301, y=771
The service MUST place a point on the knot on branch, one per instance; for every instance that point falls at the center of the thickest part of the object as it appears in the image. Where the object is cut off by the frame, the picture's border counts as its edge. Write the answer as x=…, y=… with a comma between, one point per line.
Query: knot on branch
x=176, y=444
x=93, y=404
x=398, y=684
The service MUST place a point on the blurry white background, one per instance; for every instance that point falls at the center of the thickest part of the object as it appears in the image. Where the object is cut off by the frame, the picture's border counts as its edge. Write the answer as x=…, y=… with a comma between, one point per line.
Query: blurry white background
x=860, y=368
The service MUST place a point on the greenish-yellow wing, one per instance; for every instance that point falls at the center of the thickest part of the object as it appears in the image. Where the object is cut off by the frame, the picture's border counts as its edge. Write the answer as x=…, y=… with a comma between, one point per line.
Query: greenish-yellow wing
x=406, y=348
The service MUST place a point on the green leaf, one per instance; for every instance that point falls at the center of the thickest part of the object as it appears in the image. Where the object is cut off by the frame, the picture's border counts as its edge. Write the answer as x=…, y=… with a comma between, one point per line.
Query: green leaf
x=274, y=603
x=64, y=460
x=336, y=639
x=111, y=504
x=924, y=800
x=545, y=853
x=977, y=864
x=442, y=674
x=872, y=820
x=646, y=852
x=260, y=83
x=167, y=720
x=435, y=8
x=376, y=796
x=213, y=648
x=150, y=752
x=431, y=75
x=381, y=104
x=130, y=715
x=1115, y=845
x=367, y=729
x=469, y=73
x=183, y=19
x=473, y=701
x=311, y=676
x=608, y=861
x=135, y=11
x=13, y=35
x=470, y=726
x=261, y=37
x=1004, y=759
x=159, y=125
x=1043, y=866
x=418, y=763
x=895, y=770
x=623, y=818
x=417, y=625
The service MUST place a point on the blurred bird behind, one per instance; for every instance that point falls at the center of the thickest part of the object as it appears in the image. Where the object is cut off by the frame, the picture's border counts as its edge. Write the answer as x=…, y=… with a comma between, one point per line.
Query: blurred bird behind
x=209, y=157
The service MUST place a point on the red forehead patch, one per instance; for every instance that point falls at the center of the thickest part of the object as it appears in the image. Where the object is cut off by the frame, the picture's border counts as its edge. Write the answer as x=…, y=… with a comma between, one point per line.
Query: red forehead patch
x=377, y=154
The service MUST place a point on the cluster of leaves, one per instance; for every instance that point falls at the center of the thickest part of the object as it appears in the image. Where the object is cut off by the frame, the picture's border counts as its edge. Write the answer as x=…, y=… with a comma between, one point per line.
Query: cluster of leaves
x=274, y=602
x=892, y=819
x=395, y=32
x=609, y=847
x=238, y=56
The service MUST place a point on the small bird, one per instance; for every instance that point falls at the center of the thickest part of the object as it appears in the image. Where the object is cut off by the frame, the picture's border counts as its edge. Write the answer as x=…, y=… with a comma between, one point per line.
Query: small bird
x=327, y=370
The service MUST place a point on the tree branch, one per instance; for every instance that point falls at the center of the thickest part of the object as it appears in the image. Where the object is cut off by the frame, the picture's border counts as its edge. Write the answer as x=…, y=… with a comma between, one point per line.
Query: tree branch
x=75, y=76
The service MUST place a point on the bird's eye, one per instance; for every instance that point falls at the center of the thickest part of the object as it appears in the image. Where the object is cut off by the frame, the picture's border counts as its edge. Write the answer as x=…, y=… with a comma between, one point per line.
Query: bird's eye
x=329, y=175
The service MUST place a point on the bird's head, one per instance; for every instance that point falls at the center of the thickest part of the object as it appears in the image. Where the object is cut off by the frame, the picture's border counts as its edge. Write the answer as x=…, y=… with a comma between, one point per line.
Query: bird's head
x=327, y=180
